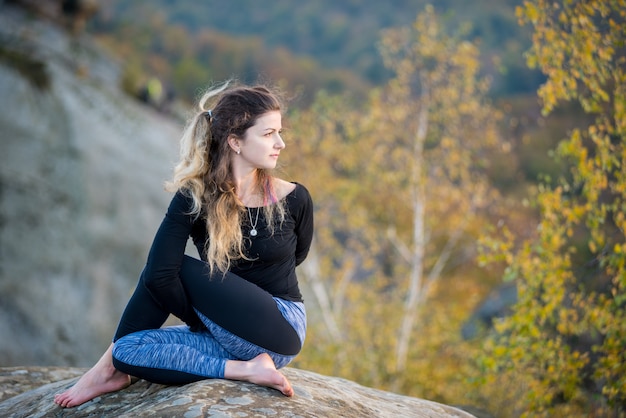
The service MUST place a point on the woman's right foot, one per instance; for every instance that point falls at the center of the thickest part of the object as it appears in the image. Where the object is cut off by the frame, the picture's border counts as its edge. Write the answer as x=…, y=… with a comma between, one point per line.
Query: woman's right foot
x=261, y=371
x=101, y=378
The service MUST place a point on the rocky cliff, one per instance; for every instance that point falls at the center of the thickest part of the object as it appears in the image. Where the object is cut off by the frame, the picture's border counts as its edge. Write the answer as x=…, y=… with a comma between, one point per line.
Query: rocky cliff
x=29, y=393
x=81, y=192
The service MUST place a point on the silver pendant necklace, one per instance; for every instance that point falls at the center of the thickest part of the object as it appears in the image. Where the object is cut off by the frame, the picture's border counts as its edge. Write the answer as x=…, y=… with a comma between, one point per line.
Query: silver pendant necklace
x=253, y=231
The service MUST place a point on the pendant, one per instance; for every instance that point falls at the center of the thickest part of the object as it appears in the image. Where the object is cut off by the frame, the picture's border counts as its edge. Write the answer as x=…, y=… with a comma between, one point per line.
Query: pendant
x=253, y=232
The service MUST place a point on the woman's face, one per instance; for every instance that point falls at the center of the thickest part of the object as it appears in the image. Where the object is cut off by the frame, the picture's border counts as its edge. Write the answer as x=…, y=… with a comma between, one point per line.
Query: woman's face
x=262, y=143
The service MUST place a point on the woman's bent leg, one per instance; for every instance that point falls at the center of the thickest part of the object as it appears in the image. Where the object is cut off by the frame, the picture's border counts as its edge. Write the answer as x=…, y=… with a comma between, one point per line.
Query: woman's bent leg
x=141, y=312
x=172, y=355
x=239, y=307
x=175, y=355
x=235, y=305
x=240, y=348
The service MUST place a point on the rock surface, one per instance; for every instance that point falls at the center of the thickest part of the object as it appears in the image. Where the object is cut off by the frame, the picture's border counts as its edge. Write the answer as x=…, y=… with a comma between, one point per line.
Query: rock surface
x=28, y=392
x=81, y=193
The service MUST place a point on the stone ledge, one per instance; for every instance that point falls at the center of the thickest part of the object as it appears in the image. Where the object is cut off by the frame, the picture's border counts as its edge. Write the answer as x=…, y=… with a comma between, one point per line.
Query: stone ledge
x=28, y=392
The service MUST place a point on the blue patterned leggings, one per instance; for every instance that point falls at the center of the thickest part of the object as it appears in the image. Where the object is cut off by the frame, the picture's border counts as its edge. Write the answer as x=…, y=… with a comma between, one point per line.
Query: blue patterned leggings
x=251, y=322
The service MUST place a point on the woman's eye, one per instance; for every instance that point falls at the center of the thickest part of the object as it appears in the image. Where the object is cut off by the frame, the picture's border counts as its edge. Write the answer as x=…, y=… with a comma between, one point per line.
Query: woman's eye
x=272, y=133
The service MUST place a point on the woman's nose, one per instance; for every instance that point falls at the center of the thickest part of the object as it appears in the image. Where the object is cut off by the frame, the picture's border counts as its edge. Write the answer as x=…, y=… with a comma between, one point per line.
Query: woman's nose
x=280, y=144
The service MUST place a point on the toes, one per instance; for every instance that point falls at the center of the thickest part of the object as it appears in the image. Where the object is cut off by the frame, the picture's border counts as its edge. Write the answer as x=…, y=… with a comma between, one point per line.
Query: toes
x=289, y=391
x=62, y=400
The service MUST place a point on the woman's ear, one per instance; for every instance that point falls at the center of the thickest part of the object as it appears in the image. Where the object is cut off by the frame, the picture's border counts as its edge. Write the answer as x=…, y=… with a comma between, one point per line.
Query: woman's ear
x=233, y=141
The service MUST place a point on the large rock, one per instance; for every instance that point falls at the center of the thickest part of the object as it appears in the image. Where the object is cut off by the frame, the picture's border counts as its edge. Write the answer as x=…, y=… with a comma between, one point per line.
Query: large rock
x=316, y=396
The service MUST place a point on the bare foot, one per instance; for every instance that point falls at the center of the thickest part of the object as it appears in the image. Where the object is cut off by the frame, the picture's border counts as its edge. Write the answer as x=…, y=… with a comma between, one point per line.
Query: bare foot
x=261, y=371
x=101, y=378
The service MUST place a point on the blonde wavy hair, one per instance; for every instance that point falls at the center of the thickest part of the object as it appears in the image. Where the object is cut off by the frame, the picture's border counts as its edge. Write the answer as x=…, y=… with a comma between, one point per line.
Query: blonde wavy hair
x=204, y=171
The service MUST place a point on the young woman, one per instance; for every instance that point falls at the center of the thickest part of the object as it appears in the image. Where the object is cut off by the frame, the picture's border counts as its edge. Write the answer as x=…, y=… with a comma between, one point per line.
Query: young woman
x=241, y=303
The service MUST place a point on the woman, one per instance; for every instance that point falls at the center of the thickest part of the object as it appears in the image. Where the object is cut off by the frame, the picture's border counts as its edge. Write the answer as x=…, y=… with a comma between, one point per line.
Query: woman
x=241, y=303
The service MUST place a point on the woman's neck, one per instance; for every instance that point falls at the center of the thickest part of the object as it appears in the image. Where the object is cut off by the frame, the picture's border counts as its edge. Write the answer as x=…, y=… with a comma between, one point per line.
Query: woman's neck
x=247, y=190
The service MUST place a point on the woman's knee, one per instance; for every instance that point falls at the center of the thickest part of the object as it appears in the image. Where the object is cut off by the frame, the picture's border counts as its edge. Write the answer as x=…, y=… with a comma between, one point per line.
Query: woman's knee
x=127, y=344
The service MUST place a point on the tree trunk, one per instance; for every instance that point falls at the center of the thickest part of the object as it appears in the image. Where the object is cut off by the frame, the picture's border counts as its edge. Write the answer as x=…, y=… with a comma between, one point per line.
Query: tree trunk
x=311, y=271
x=419, y=244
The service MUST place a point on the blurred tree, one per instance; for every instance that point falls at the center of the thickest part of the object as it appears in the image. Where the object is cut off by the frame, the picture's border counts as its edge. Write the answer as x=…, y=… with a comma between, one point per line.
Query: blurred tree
x=566, y=340
x=401, y=187
x=438, y=127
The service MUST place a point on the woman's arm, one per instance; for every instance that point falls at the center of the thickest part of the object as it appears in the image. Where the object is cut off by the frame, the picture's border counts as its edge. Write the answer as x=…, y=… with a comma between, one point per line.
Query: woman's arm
x=161, y=276
x=304, y=224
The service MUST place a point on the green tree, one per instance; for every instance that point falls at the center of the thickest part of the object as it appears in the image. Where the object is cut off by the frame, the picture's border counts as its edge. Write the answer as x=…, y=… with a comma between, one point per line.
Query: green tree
x=565, y=343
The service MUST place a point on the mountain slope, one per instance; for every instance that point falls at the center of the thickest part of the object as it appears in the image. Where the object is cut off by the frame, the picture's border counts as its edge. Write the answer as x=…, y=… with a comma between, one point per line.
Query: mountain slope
x=81, y=173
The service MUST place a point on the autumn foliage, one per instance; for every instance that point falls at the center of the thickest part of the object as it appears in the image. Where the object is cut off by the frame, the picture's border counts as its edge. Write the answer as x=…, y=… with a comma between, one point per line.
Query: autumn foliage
x=564, y=346
x=400, y=199
x=403, y=201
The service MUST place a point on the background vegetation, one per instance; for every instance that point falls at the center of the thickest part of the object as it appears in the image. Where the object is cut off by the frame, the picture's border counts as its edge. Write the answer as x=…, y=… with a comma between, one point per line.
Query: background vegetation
x=323, y=43
x=437, y=175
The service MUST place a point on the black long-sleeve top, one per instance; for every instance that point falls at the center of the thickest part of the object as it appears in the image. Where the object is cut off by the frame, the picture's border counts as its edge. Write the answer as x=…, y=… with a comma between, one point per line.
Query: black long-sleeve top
x=273, y=257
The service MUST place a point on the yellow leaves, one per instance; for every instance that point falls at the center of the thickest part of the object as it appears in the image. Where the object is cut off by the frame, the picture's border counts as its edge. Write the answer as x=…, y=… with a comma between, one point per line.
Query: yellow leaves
x=568, y=322
x=500, y=351
x=574, y=49
x=550, y=35
x=575, y=44
x=421, y=138
x=496, y=247
x=529, y=12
